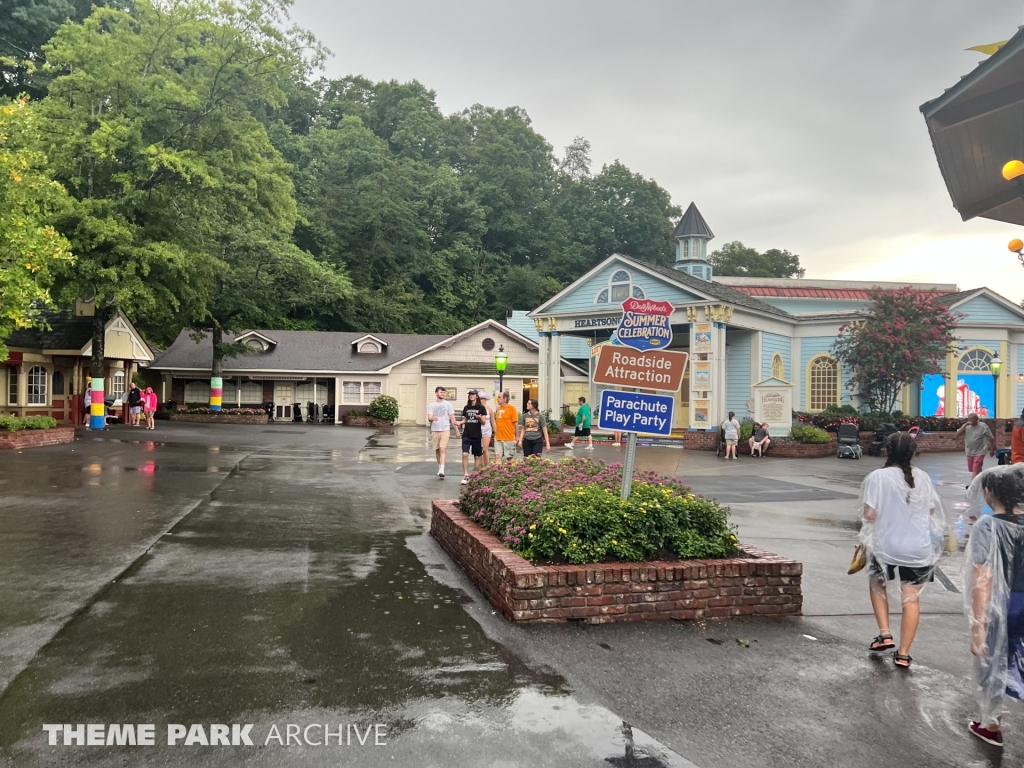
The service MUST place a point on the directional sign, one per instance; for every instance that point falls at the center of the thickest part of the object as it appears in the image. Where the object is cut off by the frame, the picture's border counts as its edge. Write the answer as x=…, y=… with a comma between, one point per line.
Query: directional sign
x=645, y=324
x=636, y=412
x=659, y=369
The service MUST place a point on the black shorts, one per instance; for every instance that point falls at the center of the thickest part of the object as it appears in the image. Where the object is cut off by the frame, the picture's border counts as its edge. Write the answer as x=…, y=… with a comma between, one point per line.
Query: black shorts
x=472, y=445
x=908, y=574
x=533, y=447
x=582, y=432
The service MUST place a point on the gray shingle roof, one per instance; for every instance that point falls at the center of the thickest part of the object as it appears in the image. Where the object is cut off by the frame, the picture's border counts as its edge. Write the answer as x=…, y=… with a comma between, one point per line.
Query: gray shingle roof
x=692, y=224
x=952, y=298
x=298, y=351
x=65, y=332
x=715, y=290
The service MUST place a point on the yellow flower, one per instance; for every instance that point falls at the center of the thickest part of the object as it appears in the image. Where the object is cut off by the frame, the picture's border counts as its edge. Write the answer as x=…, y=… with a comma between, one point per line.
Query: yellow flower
x=614, y=541
x=533, y=526
x=561, y=530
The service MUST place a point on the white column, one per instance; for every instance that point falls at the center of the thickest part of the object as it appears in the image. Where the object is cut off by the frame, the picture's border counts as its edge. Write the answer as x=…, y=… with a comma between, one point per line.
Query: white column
x=337, y=399
x=542, y=372
x=796, y=374
x=719, y=381
x=756, y=365
x=555, y=374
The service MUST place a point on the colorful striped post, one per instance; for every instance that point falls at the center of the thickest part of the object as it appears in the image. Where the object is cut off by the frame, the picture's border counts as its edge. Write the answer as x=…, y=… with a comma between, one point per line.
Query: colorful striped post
x=97, y=409
x=216, y=392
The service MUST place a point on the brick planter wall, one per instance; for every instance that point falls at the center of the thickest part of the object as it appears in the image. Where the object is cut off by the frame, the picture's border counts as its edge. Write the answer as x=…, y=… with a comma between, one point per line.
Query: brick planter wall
x=781, y=447
x=364, y=421
x=762, y=584
x=36, y=438
x=209, y=418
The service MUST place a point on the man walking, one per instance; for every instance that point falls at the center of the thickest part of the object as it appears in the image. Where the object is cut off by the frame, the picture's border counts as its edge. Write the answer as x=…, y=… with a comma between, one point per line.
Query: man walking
x=474, y=413
x=978, y=440
x=440, y=414
x=582, y=425
x=505, y=420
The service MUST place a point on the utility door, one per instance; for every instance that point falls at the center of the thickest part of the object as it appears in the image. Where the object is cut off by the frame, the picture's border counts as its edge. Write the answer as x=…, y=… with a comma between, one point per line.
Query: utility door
x=284, y=396
x=408, y=403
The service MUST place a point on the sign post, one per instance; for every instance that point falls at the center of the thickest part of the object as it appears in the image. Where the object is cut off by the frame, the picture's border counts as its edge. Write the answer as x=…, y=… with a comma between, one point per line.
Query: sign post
x=640, y=360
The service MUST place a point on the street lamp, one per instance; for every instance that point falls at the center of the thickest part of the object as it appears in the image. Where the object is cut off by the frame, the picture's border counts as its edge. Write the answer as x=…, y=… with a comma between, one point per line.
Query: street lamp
x=995, y=366
x=500, y=363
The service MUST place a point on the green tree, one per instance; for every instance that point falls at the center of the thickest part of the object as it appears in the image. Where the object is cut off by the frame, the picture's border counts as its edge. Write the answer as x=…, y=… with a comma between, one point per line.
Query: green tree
x=905, y=335
x=152, y=131
x=29, y=245
x=736, y=259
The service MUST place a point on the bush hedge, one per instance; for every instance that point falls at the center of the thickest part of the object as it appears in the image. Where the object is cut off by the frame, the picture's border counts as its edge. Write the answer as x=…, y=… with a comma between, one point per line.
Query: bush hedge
x=19, y=423
x=803, y=433
x=830, y=420
x=204, y=409
x=383, y=407
x=570, y=511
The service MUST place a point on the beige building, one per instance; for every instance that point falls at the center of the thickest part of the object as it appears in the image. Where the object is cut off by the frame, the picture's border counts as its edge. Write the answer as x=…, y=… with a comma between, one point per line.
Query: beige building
x=348, y=370
x=46, y=370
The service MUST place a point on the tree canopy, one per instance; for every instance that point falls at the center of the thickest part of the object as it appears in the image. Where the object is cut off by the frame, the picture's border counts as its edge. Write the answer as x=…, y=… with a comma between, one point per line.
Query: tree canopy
x=737, y=260
x=905, y=336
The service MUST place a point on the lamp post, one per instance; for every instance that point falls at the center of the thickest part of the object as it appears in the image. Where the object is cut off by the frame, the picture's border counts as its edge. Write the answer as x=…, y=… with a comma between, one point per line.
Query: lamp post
x=995, y=366
x=500, y=363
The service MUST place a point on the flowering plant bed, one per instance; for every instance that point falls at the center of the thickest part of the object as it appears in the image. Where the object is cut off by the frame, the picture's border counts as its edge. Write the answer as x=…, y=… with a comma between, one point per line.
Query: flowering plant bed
x=753, y=583
x=227, y=416
x=570, y=512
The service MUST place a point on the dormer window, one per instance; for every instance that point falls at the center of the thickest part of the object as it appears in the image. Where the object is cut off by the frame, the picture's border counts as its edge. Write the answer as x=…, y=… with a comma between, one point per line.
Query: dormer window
x=369, y=345
x=256, y=341
x=255, y=345
x=620, y=287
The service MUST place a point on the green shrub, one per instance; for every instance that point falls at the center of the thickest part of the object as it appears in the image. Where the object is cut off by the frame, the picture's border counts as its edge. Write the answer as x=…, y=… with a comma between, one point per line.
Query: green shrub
x=746, y=430
x=384, y=407
x=569, y=417
x=570, y=511
x=19, y=423
x=802, y=433
x=840, y=410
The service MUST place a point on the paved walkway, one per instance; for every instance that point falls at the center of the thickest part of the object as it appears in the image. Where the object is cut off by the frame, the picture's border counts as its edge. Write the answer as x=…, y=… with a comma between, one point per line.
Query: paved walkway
x=281, y=575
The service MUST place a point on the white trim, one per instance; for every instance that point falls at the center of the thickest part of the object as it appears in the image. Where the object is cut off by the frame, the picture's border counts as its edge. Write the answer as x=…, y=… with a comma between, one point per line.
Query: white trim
x=127, y=327
x=258, y=335
x=370, y=336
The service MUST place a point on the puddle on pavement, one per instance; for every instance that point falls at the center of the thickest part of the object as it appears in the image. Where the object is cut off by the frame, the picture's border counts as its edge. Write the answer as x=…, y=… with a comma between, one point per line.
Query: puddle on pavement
x=829, y=522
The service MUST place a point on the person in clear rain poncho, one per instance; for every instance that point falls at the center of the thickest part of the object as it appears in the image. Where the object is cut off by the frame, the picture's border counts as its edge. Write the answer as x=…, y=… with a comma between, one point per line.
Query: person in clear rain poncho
x=994, y=596
x=902, y=532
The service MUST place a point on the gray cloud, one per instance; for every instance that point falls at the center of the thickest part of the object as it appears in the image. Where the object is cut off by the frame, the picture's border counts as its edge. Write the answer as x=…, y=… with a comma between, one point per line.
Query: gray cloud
x=791, y=124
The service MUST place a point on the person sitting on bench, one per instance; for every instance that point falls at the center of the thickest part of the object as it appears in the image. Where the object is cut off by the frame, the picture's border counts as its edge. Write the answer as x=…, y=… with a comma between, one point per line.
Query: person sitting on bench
x=760, y=440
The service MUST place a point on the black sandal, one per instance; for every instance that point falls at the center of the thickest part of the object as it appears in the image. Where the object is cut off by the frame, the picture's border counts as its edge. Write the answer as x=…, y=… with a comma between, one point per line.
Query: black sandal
x=898, y=657
x=880, y=644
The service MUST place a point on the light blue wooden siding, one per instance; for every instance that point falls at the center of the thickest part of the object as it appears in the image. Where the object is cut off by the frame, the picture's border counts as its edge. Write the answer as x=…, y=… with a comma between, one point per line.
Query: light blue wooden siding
x=737, y=372
x=809, y=306
x=770, y=344
x=810, y=348
x=981, y=309
x=1020, y=387
x=581, y=298
x=573, y=347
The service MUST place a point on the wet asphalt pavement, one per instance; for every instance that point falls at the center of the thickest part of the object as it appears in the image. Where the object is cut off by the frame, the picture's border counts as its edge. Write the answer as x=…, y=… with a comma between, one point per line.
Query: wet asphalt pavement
x=281, y=576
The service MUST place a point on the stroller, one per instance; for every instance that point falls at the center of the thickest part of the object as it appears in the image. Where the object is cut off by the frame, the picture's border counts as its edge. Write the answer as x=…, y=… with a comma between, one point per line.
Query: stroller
x=849, y=442
x=882, y=433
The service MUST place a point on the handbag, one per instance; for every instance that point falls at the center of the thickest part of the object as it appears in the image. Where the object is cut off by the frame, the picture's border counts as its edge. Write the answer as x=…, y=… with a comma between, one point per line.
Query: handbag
x=860, y=559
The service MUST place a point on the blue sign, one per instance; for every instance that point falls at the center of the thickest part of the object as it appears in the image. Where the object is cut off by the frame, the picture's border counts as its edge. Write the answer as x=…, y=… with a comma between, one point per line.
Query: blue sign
x=645, y=324
x=636, y=412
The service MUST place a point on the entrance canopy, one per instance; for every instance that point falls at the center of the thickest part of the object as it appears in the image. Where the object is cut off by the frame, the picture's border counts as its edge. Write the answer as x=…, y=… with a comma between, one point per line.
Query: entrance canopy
x=976, y=127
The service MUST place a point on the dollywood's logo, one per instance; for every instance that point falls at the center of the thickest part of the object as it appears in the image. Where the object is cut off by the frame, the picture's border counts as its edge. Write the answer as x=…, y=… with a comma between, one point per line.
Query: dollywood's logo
x=645, y=324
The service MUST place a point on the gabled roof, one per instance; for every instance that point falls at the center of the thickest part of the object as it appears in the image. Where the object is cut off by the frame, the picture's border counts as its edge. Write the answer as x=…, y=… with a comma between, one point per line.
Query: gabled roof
x=953, y=300
x=705, y=289
x=256, y=335
x=773, y=381
x=692, y=225
x=69, y=332
x=370, y=337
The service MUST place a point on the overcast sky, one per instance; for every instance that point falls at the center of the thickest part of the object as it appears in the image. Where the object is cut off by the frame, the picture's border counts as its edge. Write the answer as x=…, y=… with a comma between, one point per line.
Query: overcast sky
x=791, y=124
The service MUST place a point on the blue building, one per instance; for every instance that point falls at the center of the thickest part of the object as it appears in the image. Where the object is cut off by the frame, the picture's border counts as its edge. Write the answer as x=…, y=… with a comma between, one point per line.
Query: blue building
x=760, y=347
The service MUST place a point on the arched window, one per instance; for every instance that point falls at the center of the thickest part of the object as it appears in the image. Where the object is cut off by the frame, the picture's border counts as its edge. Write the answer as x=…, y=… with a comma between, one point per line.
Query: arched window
x=822, y=383
x=197, y=392
x=778, y=367
x=620, y=287
x=37, y=385
x=975, y=361
x=58, y=383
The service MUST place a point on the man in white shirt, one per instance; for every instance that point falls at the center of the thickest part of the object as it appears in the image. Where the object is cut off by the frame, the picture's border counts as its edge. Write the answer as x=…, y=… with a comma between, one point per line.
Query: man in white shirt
x=440, y=414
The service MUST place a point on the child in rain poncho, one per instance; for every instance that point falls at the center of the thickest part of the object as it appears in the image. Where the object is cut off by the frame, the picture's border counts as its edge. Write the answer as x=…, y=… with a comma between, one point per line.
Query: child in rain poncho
x=902, y=531
x=994, y=594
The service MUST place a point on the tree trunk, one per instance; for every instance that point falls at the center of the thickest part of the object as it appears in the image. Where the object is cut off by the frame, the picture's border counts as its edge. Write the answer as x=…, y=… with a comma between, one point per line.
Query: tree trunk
x=217, y=369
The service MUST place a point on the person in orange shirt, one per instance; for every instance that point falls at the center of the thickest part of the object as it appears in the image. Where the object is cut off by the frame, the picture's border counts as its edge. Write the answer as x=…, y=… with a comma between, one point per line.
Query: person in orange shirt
x=505, y=419
x=1017, y=441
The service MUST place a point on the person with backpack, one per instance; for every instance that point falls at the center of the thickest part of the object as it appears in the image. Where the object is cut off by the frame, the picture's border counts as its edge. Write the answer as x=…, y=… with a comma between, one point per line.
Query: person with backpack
x=583, y=417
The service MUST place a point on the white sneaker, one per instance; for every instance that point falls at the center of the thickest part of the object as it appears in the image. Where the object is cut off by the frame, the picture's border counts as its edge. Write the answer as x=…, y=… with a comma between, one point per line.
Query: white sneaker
x=589, y=448
x=465, y=481
x=616, y=444
x=570, y=446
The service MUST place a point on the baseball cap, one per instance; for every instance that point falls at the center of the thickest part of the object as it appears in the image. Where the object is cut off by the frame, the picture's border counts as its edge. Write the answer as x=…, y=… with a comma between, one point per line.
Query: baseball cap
x=483, y=395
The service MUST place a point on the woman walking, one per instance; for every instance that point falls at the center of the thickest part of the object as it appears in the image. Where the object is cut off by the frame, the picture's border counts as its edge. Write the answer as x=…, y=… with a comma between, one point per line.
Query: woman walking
x=903, y=534
x=149, y=407
x=533, y=431
x=486, y=428
x=994, y=597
